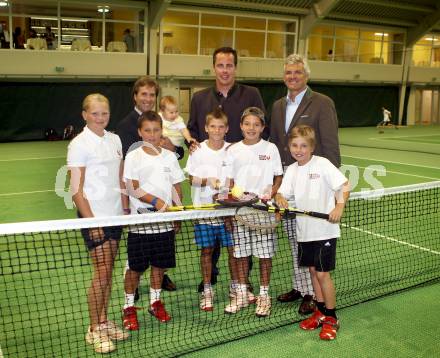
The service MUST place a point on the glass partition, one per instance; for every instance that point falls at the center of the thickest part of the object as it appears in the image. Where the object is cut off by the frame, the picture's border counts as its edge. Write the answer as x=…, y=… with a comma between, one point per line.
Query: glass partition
x=201, y=32
x=352, y=44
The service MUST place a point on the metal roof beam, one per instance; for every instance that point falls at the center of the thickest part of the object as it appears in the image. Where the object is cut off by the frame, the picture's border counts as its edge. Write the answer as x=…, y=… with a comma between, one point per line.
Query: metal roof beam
x=156, y=12
x=318, y=12
x=239, y=5
x=397, y=5
x=370, y=20
x=426, y=25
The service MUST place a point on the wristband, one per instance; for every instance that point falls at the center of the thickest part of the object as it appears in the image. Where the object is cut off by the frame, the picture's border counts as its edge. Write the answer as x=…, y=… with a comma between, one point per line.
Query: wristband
x=154, y=202
x=127, y=211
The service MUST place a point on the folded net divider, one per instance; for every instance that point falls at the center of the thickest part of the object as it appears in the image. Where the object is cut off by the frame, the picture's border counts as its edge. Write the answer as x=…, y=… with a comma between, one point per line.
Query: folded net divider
x=390, y=241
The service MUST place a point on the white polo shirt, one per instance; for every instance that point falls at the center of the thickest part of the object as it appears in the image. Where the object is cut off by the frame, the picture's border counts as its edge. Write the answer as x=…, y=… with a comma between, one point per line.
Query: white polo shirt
x=156, y=175
x=313, y=186
x=101, y=156
x=253, y=167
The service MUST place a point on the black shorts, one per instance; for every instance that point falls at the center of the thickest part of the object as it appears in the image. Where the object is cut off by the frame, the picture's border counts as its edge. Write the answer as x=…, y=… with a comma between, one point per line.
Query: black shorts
x=110, y=233
x=320, y=254
x=157, y=250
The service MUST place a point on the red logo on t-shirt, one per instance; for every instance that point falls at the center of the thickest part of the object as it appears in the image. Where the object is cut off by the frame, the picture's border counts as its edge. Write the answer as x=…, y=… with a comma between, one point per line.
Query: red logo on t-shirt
x=264, y=157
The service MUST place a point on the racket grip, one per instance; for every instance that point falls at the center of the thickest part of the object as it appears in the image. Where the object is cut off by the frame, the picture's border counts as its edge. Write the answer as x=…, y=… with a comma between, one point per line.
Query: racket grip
x=318, y=215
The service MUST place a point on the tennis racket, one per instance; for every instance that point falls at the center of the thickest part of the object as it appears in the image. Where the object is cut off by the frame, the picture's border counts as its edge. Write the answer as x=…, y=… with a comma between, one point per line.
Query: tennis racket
x=263, y=221
x=273, y=208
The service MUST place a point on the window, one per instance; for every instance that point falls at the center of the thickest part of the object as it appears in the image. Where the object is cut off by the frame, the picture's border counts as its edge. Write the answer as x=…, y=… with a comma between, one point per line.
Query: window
x=426, y=52
x=200, y=33
x=77, y=25
x=351, y=44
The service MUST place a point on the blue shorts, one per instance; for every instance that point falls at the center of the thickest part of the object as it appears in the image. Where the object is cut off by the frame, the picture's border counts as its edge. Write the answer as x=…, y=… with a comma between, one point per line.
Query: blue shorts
x=207, y=235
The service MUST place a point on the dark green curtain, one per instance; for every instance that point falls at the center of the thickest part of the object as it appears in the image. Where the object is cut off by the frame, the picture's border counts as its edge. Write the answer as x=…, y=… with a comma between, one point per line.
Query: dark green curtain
x=357, y=106
x=27, y=109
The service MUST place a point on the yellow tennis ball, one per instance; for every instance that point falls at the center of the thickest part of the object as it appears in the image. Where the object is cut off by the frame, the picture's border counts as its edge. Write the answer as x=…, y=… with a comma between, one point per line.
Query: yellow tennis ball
x=237, y=192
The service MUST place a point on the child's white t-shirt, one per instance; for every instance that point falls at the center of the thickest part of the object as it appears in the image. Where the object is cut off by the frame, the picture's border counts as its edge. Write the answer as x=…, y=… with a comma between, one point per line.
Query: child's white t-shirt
x=156, y=175
x=253, y=167
x=313, y=186
x=206, y=163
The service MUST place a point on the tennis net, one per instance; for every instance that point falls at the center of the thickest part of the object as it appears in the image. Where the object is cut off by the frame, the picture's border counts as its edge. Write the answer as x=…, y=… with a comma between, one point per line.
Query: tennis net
x=390, y=241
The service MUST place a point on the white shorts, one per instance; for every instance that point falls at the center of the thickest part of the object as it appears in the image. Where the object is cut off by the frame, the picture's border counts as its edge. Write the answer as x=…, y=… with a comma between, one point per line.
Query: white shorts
x=249, y=241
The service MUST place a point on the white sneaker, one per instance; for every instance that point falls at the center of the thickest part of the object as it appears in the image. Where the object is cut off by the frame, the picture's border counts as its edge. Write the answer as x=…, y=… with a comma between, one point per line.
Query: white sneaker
x=113, y=331
x=251, y=297
x=100, y=341
x=206, y=302
x=264, y=305
x=237, y=302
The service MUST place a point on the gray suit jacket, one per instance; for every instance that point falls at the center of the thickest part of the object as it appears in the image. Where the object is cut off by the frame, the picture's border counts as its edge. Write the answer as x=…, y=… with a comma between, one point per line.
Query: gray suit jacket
x=316, y=110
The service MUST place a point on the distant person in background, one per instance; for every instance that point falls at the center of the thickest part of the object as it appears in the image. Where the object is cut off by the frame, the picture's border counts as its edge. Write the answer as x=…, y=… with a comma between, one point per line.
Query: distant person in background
x=50, y=38
x=4, y=35
x=129, y=40
x=69, y=132
x=386, y=117
x=32, y=34
x=18, y=38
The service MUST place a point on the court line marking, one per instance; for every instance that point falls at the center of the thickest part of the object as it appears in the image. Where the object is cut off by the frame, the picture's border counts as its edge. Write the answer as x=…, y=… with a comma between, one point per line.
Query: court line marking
x=396, y=139
x=389, y=161
x=27, y=192
x=1, y=352
x=20, y=159
x=418, y=247
x=405, y=136
x=389, y=171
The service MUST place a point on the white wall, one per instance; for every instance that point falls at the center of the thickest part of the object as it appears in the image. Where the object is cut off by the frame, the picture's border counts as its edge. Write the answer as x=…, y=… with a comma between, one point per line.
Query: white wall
x=197, y=67
x=26, y=63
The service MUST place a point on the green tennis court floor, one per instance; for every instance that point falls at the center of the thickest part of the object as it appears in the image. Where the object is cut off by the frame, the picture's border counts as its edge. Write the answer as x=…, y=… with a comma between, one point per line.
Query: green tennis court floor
x=396, y=325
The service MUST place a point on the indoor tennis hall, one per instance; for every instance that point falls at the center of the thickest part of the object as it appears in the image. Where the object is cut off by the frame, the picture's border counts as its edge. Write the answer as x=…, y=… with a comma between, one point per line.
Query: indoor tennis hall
x=364, y=55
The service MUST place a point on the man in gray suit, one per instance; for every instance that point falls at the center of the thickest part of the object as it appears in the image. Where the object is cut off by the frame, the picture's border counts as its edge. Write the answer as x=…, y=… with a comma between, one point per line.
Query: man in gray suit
x=303, y=106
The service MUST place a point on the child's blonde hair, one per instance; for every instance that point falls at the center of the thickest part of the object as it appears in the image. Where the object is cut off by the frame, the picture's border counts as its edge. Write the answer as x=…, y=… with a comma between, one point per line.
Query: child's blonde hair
x=303, y=131
x=167, y=101
x=98, y=97
x=217, y=113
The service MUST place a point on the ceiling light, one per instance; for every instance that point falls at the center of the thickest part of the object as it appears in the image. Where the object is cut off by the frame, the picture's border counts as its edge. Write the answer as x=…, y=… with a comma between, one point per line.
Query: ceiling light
x=102, y=9
x=380, y=34
x=3, y=3
x=431, y=39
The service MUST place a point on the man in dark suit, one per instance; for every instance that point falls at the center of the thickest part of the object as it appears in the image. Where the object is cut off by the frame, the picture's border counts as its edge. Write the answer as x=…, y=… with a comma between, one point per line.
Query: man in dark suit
x=233, y=98
x=301, y=105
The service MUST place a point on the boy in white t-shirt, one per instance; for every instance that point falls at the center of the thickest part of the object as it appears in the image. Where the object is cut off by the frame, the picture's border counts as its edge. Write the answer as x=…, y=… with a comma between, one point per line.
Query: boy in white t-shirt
x=173, y=125
x=254, y=165
x=152, y=176
x=316, y=185
x=205, y=169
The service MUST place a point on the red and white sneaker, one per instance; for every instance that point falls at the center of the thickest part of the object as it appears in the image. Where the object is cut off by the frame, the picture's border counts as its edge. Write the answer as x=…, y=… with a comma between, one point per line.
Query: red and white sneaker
x=157, y=309
x=313, y=322
x=206, y=302
x=129, y=319
x=330, y=326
